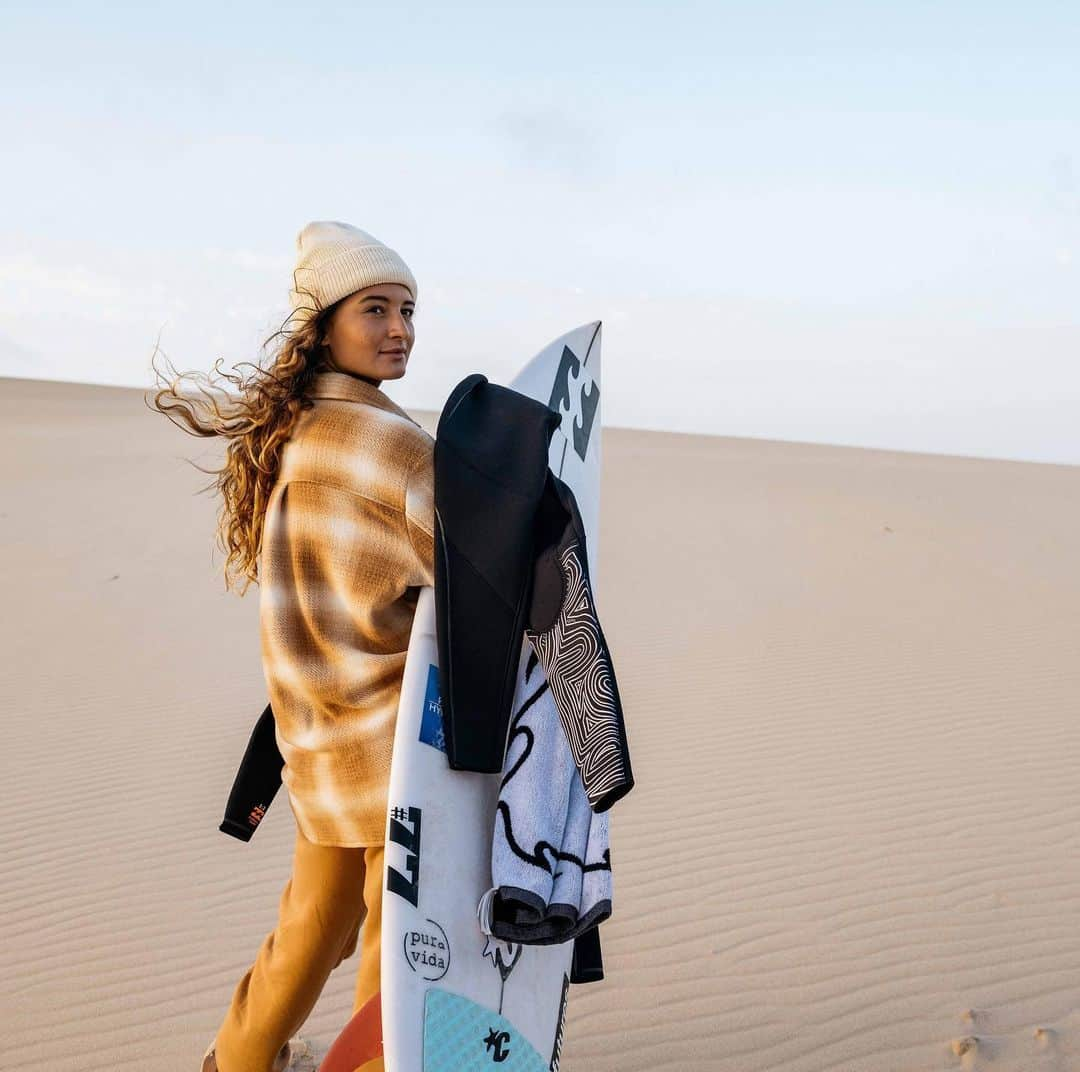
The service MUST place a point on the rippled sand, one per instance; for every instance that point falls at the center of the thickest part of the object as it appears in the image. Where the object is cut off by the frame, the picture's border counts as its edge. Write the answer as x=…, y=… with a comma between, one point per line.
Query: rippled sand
x=852, y=685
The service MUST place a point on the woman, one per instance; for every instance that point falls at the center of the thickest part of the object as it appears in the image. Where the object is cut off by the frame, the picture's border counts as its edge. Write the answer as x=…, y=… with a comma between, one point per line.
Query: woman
x=329, y=507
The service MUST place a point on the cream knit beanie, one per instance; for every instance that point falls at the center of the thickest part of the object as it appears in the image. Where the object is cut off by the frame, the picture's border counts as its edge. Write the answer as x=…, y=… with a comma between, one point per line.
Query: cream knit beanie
x=335, y=259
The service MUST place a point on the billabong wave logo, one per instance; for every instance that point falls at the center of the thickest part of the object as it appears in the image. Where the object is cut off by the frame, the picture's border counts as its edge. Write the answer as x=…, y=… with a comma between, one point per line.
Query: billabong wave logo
x=574, y=395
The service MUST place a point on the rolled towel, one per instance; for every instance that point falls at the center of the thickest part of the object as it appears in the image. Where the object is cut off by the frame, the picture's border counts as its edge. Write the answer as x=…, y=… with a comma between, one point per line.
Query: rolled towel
x=550, y=858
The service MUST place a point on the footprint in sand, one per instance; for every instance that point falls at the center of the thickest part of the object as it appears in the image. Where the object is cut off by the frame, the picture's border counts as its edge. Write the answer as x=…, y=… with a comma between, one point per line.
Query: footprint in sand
x=1045, y=1037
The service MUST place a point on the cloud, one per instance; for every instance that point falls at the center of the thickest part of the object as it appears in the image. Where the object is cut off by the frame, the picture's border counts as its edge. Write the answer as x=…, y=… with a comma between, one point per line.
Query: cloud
x=19, y=360
x=32, y=286
x=245, y=258
x=1065, y=189
x=554, y=141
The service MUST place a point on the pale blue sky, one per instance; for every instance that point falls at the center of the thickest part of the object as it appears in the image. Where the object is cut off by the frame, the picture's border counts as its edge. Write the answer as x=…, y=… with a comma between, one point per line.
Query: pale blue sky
x=834, y=222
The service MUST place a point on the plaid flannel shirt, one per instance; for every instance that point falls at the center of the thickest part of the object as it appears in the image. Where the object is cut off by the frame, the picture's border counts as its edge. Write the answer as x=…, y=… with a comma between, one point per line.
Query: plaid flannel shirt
x=347, y=543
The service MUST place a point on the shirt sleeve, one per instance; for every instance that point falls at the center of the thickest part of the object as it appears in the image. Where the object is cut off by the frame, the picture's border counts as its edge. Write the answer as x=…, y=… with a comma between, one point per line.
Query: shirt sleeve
x=420, y=518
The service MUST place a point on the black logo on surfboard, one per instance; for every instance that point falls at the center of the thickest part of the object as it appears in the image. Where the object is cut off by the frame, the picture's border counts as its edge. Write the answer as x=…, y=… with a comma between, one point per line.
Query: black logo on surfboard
x=405, y=831
x=427, y=951
x=556, y=1049
x=577, y=399
x=504, y=955
x=496, y=1042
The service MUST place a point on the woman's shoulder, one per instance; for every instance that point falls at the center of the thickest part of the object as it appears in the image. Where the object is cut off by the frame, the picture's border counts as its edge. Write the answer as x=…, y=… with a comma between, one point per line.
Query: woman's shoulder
x=364, y=450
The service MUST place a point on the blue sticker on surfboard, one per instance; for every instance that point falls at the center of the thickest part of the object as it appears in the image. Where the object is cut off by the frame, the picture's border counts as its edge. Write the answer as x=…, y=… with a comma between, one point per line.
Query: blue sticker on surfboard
x=462, y=1036
x=431, y=724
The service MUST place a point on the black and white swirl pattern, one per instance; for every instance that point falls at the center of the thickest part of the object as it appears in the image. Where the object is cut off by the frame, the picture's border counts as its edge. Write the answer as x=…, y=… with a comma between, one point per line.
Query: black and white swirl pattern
x=578, y=667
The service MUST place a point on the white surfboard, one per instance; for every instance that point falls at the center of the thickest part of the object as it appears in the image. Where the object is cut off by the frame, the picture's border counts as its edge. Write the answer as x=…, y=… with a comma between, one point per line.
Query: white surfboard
x=454, y=999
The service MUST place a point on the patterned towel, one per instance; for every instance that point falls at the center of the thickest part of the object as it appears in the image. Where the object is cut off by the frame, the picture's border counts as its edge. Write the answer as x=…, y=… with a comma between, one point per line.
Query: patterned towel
x=550, y=861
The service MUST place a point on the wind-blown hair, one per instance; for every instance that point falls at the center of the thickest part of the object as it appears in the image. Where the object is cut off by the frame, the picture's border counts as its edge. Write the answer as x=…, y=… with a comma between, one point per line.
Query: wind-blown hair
x=257, y=422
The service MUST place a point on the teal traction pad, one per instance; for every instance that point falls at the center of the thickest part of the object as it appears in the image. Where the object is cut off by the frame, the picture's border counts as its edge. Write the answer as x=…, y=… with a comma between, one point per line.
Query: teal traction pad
x=462, y=1036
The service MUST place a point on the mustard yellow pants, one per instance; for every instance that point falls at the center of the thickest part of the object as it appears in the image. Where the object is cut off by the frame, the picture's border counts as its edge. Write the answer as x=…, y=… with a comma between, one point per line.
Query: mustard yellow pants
x=332, y=893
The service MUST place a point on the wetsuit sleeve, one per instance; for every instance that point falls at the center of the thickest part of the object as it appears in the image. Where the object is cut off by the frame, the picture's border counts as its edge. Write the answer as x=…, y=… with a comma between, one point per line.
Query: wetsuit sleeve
x=257, y=780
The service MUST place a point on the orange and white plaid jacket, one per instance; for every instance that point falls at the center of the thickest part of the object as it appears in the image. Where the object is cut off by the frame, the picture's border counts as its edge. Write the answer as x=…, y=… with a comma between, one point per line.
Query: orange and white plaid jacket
x=347, y=543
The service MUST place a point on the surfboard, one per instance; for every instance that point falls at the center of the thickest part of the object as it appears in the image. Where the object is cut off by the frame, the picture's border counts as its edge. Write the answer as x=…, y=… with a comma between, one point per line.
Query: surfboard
x=454, y=999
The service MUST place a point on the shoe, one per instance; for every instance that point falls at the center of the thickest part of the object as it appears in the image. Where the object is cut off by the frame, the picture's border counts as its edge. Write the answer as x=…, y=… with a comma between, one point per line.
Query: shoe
x=300, y=1056
x=565, y=633
x=283, y=1061
x=295, y=1056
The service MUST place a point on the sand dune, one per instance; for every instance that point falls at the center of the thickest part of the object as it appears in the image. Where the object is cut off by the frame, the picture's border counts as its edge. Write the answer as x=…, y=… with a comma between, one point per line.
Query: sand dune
x=852, y=684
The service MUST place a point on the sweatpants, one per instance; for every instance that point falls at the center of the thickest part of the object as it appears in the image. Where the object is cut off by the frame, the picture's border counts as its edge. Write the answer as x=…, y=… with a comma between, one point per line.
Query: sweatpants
x=331, y=895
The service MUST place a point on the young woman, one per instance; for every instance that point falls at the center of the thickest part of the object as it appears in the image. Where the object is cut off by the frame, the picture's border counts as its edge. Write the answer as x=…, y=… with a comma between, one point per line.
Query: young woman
x=328, y=505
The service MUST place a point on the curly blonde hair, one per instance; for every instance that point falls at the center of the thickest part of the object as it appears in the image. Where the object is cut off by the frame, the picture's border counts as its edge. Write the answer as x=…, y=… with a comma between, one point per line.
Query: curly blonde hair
x=257, y=424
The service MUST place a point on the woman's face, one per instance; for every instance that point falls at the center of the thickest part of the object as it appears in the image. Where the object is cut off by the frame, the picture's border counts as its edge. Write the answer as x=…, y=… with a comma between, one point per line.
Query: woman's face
x=371, y=332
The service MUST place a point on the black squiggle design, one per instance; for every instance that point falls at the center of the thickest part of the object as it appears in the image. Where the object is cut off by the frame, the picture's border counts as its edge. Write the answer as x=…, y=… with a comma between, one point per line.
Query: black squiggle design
x=537, y=857
x=516, y=729
x=577, y=664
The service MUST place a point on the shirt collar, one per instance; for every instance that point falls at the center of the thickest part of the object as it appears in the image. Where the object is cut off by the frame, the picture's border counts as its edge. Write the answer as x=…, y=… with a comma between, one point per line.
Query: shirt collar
x=350, y=388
